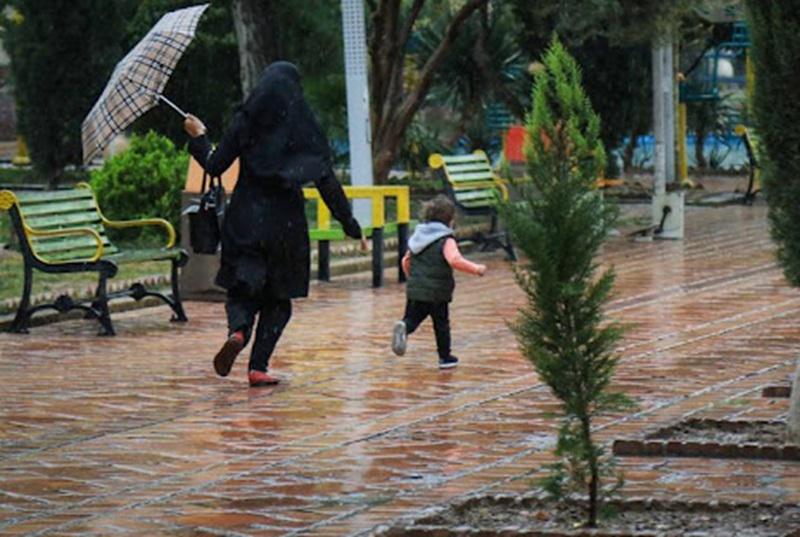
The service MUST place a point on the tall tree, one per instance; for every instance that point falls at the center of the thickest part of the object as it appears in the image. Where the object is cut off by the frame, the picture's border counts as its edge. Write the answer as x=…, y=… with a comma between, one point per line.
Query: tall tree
x=485, y=65
x=255, y=22
x=775, y=34
x=393, y=102
x=61, y=53
x=560, y=224
x=305, y=32
x=611, y=41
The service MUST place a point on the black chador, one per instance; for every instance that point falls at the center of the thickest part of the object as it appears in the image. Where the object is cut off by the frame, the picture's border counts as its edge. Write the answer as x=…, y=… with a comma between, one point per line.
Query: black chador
x=265, y=245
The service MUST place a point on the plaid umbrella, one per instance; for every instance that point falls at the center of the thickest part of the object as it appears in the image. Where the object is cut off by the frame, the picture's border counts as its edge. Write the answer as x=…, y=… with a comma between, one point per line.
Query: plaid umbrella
x=136, y=84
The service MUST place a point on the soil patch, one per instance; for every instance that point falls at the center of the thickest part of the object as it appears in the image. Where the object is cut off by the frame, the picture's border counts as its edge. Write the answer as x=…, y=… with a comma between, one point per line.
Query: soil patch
x=777, y=392
x=498, y=516
x=725, y=432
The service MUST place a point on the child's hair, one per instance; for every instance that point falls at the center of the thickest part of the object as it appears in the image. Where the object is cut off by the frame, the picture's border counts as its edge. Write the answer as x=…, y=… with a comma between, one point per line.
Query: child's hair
x=439, y=209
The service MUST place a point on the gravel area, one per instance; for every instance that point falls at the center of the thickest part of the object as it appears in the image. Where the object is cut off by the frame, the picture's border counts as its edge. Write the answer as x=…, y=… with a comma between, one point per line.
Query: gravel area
x=732, y=432
x=640, y=517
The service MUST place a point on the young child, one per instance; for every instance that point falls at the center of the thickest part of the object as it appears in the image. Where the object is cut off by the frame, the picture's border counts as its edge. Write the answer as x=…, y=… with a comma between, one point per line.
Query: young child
x=429, y=262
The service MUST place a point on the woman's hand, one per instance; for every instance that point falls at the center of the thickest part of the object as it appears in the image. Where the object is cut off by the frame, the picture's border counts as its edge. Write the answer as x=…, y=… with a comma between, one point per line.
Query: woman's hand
x=364, y=243
x=193, y=126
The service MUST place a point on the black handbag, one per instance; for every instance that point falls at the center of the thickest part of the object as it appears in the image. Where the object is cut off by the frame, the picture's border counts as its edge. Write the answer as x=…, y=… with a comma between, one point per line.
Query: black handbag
x=205, y=215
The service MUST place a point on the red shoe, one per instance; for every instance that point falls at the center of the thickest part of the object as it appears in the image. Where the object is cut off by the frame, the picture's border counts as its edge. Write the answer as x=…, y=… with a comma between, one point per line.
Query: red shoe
x=223, y=361
x=260, y=378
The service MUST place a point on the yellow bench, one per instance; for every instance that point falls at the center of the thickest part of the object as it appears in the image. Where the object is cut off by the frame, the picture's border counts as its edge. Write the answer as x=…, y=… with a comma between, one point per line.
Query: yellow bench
x=323, y=233
x=475, y=190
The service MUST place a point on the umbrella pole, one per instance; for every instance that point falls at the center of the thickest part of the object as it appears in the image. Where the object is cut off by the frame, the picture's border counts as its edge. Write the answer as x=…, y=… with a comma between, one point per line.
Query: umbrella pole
x=172, y=105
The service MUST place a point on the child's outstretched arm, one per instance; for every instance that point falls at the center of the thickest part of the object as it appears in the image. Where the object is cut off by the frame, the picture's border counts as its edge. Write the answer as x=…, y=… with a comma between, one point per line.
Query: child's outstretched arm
x=458, y=262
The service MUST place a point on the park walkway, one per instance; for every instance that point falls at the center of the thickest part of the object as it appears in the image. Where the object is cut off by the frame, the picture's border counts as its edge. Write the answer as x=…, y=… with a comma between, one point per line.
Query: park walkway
x=134, y=435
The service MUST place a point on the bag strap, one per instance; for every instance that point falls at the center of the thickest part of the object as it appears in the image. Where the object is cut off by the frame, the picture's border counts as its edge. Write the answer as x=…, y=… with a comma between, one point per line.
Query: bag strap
x=210, y=182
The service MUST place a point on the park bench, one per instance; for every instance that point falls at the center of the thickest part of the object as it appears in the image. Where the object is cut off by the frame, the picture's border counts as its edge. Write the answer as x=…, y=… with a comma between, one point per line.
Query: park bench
x=380, y=227
x=476, y=191
x=64, y=231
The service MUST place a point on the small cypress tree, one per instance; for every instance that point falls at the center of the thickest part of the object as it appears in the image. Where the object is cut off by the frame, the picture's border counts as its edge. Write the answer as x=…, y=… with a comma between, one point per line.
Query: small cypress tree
x=775, y=31
x=560, y=224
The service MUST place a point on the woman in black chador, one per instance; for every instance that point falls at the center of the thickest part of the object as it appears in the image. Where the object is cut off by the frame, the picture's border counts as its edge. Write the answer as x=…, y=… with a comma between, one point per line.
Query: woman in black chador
x=265, y=247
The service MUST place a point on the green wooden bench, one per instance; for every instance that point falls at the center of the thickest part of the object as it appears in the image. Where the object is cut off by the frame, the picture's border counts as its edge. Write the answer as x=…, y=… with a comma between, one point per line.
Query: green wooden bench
x=64, y=231
x=476, y=191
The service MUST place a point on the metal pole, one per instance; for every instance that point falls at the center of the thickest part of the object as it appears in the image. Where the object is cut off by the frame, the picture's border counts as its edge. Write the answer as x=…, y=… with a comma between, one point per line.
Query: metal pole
x=358, y=125
x=663, y=116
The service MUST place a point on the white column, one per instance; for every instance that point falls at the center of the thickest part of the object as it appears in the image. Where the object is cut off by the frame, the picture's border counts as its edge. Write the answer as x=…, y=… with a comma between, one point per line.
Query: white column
x=664, y=143
x=663, y=115
x=359, y=131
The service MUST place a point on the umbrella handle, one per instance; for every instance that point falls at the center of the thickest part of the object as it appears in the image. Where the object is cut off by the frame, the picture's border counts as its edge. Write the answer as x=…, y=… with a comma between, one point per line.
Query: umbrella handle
x=172, y=105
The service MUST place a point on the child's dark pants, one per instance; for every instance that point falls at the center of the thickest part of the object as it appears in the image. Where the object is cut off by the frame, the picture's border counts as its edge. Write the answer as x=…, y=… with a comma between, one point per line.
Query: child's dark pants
x=274, y=314
x=416, y=312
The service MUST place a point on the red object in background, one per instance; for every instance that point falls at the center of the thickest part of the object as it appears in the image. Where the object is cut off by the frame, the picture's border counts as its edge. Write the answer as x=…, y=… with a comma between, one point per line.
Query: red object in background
x=514, y=143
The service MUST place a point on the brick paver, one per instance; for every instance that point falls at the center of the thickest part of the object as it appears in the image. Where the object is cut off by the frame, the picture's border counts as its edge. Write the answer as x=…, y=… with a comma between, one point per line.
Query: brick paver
x=134, y=435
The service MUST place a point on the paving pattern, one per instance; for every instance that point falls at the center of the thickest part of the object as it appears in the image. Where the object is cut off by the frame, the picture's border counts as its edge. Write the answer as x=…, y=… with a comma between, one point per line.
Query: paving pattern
x=134, y=435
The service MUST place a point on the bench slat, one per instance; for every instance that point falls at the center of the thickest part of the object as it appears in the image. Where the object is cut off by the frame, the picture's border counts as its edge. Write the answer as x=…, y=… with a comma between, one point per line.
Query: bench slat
x=151, y=254
x=467, y=177
x=469, y=167
x=41, y=209
x=80, y=254
x=62, y=244
x=455, y=159
x=69, y=220
x=30, y=198
x=476, y=195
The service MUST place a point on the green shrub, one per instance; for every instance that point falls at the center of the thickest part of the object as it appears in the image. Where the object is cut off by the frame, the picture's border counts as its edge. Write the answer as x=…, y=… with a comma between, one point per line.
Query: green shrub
x=144, y=181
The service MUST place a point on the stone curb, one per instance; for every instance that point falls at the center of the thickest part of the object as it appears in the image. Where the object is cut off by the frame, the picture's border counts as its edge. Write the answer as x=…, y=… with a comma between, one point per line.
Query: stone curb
x=776, y=392
x=643, y=447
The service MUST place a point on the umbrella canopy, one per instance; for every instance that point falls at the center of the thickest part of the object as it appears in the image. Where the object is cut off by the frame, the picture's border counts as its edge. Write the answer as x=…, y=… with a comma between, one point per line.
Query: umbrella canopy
x=136, y=84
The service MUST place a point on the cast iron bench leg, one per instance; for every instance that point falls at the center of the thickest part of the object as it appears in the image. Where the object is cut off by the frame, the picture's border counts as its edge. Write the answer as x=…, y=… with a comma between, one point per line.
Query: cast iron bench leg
x=175, y=303
x=100, y=305
x=20, y=323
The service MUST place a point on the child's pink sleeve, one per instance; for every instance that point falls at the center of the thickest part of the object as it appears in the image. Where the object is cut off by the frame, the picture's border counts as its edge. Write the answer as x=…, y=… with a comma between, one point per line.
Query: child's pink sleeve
x=456, y=260
x=407, y=263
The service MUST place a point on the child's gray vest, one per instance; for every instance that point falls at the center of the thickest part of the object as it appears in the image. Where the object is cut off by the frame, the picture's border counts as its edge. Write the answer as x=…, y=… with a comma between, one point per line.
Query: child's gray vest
x=431, y=278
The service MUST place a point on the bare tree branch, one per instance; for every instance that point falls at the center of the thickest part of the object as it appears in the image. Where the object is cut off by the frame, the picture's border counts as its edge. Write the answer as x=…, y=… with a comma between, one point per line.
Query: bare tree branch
x=414, y=100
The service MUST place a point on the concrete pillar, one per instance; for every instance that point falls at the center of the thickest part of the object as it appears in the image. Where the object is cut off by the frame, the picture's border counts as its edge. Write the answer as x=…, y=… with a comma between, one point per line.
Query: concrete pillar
x=358, y=124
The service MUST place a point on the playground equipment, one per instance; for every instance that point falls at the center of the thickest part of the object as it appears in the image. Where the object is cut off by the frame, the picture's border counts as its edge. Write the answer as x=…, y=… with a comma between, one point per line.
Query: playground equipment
x=720, y=72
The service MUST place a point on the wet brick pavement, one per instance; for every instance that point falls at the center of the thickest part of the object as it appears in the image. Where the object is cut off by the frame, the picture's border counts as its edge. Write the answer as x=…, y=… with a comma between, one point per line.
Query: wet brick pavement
x=134, y=435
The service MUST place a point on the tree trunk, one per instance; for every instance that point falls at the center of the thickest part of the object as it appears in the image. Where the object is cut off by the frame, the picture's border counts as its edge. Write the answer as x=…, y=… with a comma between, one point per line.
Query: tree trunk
x=594, y=473
x=793, y=420
x=630, y=149
x=699, y=143
x=256, y=28
x=54, y=178
x=392, y=109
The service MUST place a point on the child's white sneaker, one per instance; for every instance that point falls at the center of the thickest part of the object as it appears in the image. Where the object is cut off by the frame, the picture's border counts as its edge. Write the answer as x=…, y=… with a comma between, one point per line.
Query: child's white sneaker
x=399, y=337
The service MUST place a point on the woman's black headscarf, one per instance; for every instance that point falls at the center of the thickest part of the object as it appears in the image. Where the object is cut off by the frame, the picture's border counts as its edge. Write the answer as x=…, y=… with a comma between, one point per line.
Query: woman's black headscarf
x=279, y=137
